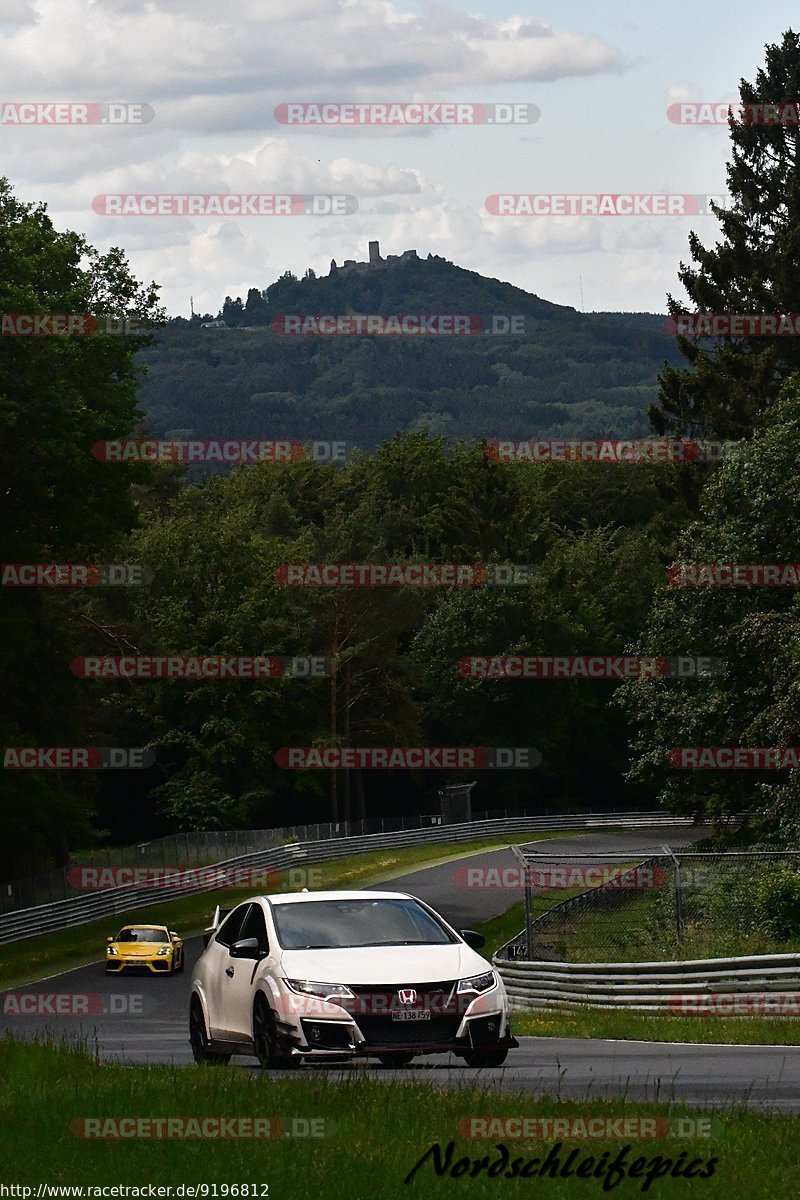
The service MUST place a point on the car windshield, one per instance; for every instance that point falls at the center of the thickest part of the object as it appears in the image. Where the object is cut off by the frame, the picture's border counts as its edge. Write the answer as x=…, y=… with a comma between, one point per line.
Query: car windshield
x=332, y=924
x=142, y=933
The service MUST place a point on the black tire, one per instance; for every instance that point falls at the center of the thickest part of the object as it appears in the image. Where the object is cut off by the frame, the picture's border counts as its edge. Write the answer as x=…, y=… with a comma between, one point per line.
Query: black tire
x=265, y=1039
x=485, y=1058
x=179, y=970
x=198, y=1038
x=396, y=1059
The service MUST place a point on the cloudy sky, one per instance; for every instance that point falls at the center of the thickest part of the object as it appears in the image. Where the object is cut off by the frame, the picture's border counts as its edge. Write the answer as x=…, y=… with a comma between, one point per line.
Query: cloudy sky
x=213, y=73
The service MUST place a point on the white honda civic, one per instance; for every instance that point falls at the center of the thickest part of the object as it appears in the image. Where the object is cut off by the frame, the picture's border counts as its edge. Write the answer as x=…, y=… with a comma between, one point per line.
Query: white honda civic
x=339, y=975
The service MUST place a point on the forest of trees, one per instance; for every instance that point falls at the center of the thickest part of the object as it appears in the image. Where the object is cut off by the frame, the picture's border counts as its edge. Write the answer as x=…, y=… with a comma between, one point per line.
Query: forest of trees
x=602, y=536
x=568, y=374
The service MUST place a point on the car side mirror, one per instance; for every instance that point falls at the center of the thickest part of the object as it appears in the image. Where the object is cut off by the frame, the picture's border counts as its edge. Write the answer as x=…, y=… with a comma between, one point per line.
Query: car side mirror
x=475, y=940
x=246, y=948
x=109, y=941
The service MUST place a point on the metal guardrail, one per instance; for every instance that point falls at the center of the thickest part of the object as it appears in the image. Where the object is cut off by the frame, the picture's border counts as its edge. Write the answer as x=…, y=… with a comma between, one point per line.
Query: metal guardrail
x=715, y=984
x=201, y=848
x=80, y=910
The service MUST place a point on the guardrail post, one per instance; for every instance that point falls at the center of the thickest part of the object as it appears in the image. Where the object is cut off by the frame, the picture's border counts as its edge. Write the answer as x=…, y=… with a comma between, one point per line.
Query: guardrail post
x=678, y=897
x=526, y=876
x=678, y=903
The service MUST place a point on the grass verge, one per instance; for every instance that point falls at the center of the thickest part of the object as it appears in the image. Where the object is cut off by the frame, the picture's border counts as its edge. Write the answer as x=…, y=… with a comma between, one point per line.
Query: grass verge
x=646, y=1027
x=377, y=1135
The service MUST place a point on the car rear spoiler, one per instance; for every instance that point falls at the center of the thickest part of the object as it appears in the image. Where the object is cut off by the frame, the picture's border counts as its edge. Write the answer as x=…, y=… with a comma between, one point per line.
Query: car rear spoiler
x=219, y=916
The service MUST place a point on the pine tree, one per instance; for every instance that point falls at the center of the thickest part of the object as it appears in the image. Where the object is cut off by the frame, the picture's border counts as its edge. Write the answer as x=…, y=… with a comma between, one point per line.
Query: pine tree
x=731, y=383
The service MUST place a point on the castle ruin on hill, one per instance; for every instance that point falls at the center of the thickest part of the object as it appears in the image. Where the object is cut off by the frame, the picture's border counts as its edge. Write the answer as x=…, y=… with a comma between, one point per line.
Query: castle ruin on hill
x=375, y=263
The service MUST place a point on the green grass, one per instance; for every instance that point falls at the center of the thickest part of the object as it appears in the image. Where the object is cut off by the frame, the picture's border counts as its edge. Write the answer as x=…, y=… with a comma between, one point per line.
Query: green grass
x=655, y=1027
x=379, y=1132
x=34, y=958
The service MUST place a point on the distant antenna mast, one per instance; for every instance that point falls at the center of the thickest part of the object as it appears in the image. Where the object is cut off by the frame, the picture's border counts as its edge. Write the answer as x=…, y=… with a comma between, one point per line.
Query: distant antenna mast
x=581, y=279
x=191, y=304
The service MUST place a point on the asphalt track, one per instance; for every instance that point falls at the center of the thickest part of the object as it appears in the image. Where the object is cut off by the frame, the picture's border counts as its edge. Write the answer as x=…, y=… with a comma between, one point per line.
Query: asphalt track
x=142, y=1019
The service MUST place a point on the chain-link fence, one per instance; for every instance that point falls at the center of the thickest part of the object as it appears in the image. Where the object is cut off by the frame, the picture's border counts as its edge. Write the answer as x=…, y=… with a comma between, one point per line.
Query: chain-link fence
x=681, y=904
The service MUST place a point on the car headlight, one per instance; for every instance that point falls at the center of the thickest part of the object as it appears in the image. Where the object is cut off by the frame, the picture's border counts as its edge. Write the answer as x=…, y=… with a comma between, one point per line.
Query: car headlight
x=478, y=983
x=164, y=950
x=112, y=950
x=323, y=991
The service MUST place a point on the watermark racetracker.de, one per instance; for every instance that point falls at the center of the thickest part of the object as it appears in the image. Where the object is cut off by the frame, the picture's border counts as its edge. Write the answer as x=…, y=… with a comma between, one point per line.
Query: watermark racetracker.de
x=734, y=574
x=407, y=758
x=75, y=574
x=587, y=666
x=270, y=879
x=228, y=204
x=67, y=112
x=410, y=113
x=553, y=876
x=237, y=450
x=404, y=574
x=442, y=324
x=43, y=324
x=605, y=450
x=603, y=204
x=733, y=325
x=74, y=1004
x=582, y=1126
x=77, y=758
x=735, y=758
x=704, y=112
x=201, y=667
x=214, y=1128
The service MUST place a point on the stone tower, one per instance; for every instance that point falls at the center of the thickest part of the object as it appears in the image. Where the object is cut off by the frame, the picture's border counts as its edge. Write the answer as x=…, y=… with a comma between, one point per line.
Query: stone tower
x=374, y=254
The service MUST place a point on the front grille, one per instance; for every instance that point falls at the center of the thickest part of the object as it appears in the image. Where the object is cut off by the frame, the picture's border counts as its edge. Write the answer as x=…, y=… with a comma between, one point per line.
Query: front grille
x=374, y=1000
x=383, y=1031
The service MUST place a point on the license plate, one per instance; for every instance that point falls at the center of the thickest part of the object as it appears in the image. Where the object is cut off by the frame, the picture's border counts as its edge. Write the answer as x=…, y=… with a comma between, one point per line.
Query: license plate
x=418, y=1014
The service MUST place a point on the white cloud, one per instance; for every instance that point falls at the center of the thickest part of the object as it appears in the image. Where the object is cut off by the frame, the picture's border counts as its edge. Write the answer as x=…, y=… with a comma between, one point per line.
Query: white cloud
x=204, y=63
x=15, y=13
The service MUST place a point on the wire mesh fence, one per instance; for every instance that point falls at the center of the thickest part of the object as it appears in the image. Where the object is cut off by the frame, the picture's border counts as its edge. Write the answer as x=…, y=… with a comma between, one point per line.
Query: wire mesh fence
x=669, y=905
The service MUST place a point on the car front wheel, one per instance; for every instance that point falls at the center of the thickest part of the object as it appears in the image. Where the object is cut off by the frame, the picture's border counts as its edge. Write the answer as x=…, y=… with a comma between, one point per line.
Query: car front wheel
x=265, y=1038
x=198, y=1038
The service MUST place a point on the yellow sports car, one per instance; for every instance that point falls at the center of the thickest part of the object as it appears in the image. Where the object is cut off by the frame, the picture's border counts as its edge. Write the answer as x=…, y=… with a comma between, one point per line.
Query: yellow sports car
x=153, y=947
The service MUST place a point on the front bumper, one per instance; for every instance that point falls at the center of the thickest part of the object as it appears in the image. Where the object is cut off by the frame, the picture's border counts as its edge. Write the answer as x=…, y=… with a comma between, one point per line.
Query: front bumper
x=322, y=1034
